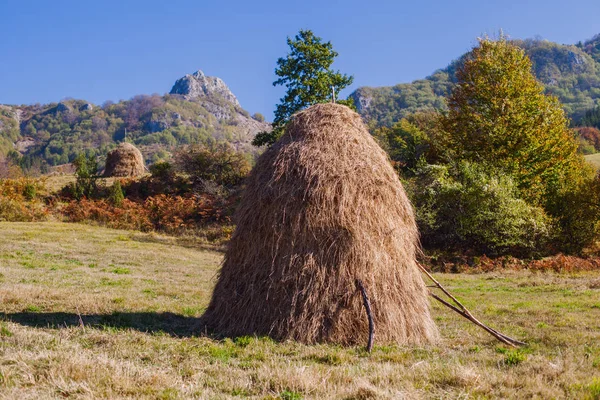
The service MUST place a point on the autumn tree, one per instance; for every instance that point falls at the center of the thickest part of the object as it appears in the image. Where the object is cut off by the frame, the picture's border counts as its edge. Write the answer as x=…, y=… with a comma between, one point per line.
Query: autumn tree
x=405, y=143
x=498, y=115
x=307, y=74
x=589, y=136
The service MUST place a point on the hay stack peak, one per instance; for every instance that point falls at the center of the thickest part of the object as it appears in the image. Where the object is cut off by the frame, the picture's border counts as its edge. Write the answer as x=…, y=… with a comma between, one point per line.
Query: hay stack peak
x=124, y=161
x=323, y=207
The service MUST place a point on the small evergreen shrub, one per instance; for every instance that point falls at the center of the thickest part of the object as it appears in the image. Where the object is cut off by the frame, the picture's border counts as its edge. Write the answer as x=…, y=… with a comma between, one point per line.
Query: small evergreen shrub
x=116, y=195
x=86, y=169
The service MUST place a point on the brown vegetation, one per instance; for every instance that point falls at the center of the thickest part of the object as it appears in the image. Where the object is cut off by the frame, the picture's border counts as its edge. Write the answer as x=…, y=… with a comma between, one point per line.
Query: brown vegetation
x=323, y=208
x=172, y=214
x=475, y=264
x=589, y=135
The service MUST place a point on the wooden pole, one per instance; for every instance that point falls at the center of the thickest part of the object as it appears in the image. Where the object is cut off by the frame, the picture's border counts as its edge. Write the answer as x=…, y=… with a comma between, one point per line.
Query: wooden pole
x=462, y=310
x=367, y=305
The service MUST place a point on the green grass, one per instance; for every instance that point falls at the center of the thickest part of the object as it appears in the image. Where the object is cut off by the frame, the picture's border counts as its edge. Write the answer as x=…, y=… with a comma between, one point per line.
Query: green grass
x=71, y=326
x=594, y=159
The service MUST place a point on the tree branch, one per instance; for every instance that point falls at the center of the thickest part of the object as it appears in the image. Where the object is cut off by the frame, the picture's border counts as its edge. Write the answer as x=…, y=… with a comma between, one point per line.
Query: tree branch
x=367, y=305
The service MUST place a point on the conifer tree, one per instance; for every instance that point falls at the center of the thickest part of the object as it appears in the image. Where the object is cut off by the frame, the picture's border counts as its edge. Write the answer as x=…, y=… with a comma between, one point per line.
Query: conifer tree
x=306, y=73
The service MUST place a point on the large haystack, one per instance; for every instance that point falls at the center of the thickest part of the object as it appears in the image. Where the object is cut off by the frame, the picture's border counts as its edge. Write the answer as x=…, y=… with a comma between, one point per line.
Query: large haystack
x=323, y=207
x=126, y=161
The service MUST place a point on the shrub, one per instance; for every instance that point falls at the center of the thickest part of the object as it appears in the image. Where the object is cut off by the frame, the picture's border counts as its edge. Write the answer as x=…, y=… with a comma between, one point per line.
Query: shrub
x=116, y=196
x=470, y=207
x=18, y=211
x=164, y=180
x=130, y=215
x=589, y=136
x=586, y=147
x=162, y=170
x=405, y=143
x=220, y=165
x=577, y=212
x=171, y=214
x=258, y=117
x=86, y=169
x=29, y=191
x=18, y=201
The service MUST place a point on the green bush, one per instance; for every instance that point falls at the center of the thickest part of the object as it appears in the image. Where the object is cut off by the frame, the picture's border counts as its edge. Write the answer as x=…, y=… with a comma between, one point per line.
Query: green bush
x=216, y=168
x=577, y=212
x=405, y=143
x=29, y=191
x=116, y=195
x=86, y=169
x=162, y=170
x=468, y=206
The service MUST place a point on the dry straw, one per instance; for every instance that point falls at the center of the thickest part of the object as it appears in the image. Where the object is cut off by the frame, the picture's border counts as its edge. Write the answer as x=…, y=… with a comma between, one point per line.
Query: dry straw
x=124, y=161
x=323, y=209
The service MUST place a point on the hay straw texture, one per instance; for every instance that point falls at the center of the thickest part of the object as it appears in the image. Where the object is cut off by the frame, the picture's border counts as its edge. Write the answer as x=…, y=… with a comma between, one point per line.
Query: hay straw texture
x=323, y=207
x=126, y=160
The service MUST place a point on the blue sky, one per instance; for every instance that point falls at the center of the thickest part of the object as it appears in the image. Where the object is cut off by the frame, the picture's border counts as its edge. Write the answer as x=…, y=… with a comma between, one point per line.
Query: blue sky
x=111, y=50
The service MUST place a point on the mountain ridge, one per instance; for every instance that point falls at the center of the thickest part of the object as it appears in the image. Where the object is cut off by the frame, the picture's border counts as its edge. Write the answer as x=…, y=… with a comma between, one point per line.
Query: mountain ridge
x=198, y=109
x=570, y=72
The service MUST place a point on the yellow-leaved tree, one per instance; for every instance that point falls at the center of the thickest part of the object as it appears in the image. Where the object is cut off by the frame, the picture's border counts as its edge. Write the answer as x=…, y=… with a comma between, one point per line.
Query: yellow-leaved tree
x=500, y=116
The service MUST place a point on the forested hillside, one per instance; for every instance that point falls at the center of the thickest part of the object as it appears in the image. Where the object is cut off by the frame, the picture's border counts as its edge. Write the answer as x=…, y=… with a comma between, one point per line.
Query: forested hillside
x=570, y=72
x=202, y=109
x=199, y=109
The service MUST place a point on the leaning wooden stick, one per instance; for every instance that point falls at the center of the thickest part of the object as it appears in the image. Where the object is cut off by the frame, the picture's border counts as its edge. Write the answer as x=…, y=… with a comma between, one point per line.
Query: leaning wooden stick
x=367, y=304
x=462, y=310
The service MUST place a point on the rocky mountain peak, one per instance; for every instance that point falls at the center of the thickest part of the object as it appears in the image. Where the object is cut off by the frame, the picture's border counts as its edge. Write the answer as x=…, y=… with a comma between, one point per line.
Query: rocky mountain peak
x=198, y=85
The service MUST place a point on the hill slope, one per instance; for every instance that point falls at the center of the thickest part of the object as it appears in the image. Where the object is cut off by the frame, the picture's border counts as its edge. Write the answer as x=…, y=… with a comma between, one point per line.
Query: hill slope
x=570, y=72
x=199, y=109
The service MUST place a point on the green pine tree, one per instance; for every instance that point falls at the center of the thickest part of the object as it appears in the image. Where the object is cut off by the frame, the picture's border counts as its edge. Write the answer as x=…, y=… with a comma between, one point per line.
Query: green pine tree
x=306, y=73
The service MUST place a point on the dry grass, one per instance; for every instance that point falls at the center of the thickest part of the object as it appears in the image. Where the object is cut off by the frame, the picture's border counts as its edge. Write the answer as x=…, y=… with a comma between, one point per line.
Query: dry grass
x=125, y=161
x=594, y=159
x=139, y=297
x=323, y=208
x=54, y=183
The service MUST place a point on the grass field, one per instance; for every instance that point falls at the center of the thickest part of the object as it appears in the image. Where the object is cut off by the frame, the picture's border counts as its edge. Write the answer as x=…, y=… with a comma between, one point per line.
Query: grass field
x=87, y=312
x=594, y=159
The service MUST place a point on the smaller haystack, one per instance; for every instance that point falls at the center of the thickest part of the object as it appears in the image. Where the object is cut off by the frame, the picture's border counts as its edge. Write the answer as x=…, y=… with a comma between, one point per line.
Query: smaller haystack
x=124, y=161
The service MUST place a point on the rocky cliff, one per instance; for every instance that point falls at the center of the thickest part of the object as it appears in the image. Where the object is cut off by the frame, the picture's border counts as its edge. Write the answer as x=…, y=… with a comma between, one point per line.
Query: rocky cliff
x=199, y=86
x=199, y=109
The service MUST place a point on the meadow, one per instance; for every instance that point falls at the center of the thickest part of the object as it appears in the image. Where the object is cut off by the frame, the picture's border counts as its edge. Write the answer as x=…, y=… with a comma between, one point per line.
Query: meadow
x=89, y=312
x=594, y=159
